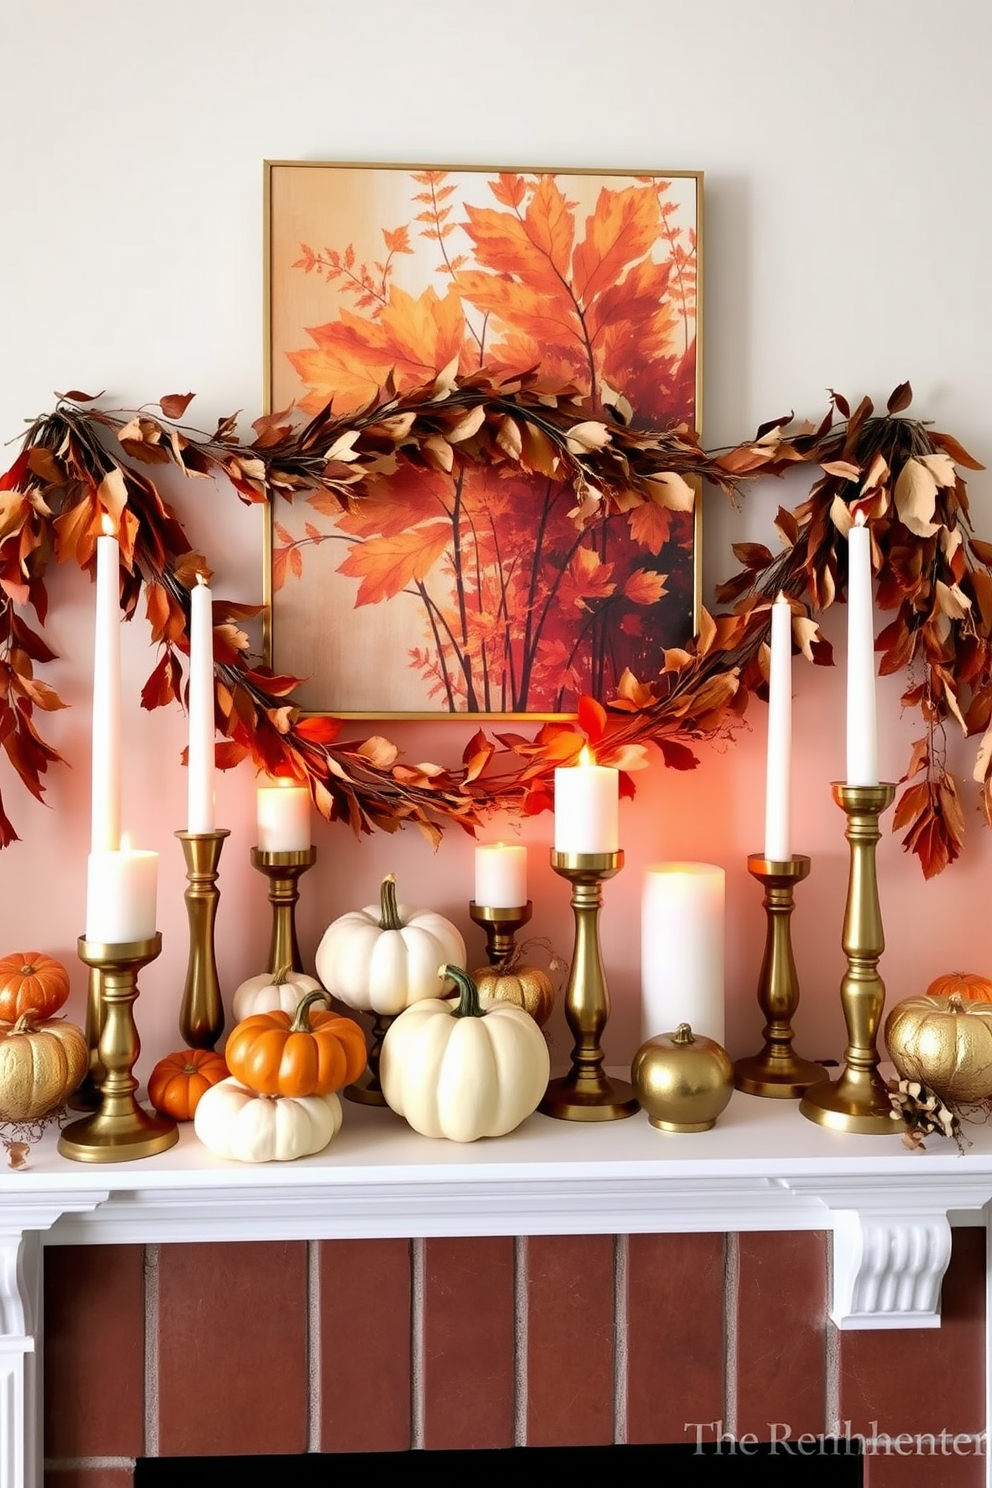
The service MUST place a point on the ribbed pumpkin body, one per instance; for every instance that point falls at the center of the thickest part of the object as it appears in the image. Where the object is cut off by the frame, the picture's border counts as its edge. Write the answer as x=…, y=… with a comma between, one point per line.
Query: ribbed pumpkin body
x=178, y=1081
x=240, y=1124
x=527, y=987
x=30, y=981
x=41, y=1064
x=383, y=958
x=464, y=1071
x=944, y=1043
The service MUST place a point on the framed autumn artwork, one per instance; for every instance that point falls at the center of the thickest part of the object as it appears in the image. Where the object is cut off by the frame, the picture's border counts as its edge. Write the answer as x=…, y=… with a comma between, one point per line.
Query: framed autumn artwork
x=475, y=589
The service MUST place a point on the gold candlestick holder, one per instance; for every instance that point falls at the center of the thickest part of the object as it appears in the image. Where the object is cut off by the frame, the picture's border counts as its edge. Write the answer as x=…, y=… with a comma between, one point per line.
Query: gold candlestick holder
x=120, y=1130
x=500, y=925
x=201, y=1013
x=586, y=1093
x=778, y=1071
x=367, y=1089
x=858, y=1101
x=87, y=1097
x=283, y=870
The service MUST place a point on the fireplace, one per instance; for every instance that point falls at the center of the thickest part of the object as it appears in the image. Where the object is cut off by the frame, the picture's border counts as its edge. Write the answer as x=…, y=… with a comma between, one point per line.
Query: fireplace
x=494, y=1343
x=830, y=1463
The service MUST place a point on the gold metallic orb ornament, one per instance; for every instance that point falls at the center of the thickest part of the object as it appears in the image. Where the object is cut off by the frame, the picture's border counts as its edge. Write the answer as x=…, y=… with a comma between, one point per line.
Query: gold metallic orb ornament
x=683, y=1080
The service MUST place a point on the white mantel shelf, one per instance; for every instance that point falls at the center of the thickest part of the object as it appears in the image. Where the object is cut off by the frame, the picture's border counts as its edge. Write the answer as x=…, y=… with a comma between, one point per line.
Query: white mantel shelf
x=762, y=1167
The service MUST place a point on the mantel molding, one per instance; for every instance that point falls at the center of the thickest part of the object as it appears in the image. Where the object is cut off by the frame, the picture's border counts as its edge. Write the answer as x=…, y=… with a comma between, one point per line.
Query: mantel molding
x=763, y=1167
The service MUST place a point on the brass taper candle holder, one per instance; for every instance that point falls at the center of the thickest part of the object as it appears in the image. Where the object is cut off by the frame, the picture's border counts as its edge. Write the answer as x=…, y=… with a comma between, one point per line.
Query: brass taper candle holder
x=120, y=1130
x=586, y=1093
x=283, y=870
x=367, y=1089
x=858, y=1101
x=87, y=1097
x=500, y=925
x=778, y=1070
x=201, y=1014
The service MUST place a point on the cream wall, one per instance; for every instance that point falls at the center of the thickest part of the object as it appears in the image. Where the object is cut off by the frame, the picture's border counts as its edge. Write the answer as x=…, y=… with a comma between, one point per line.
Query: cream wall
x=848, y=216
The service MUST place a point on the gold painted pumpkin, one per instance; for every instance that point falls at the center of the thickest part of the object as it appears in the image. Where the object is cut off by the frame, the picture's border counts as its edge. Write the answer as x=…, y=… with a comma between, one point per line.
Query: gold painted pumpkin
x=527, y=987
x=969, y=986
x=41, y=1064
x=945, y=1043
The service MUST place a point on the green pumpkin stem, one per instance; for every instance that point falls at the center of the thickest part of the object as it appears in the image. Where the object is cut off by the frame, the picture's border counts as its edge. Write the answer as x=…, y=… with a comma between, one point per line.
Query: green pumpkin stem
x=301, y=1018
x=281, y=976
x=468, y=1004
x=389, y=915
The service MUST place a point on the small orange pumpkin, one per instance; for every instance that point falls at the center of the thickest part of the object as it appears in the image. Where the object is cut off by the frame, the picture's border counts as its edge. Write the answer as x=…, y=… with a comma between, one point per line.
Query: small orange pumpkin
x=30, y=981
x=308, y=1053
x=178, y=1081
x=968, y=985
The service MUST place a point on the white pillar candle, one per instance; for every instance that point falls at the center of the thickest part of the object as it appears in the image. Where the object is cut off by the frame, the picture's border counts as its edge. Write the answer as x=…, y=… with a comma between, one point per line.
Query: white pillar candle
x=200, y=759
x=283, y=817
x=587, y=808
x=105, y=815
x=778, y=762
x=121, y=890
x=500, y=875
x=862, y=739
x=682, y=915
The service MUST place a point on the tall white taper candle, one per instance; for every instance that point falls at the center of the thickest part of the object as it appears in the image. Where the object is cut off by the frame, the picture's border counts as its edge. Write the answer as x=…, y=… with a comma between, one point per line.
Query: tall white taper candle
x=105, y=816
x=862, y=738
x=778, y=763
x=200, y=761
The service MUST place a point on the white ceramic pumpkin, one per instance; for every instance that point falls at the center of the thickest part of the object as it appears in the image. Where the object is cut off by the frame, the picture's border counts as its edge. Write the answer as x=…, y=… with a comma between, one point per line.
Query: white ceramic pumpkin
x=383, y=958
x=268, y=993
x=237, y=1123
x=464, y=1070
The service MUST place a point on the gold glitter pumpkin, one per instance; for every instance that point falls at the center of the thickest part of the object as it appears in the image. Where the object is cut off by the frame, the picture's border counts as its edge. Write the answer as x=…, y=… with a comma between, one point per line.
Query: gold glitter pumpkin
x=945, y=1043
x=527, y=986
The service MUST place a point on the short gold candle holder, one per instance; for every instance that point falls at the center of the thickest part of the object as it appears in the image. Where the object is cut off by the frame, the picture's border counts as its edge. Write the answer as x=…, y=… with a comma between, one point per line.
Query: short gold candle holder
x=500, y=925
x=858, y=1100
x=120, y=1130
x=283, y=870
x=778, y=1070
x=586, y=1093
x=201, y=1014
x=367, y=1089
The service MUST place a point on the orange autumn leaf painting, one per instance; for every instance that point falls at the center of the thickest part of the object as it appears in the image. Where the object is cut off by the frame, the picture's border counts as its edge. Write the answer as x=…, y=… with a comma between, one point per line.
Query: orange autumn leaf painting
x=456, y=585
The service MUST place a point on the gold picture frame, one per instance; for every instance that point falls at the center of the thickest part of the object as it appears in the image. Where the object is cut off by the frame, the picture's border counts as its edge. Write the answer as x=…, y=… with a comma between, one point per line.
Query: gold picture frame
x=475, y=592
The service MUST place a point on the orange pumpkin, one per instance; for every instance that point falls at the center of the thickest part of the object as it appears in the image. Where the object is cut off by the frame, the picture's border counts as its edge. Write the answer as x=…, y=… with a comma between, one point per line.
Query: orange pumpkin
x=308, y=1053
x=968, y=985
x=177, y=1081
x=30, y=981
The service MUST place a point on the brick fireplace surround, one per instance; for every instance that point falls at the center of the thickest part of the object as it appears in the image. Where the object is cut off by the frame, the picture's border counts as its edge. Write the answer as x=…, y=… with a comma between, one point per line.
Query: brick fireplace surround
x=519, y=1314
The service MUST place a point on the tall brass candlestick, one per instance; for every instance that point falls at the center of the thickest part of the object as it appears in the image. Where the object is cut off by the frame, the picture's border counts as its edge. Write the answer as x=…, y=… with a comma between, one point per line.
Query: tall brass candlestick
x=500, y=925
x=778, y=1070
x=201, y=1015
x=858, y=1100
x=120, y=1130
x=283, y=870
x=586, y=1093
x=87, y=1097
x=367, y=1089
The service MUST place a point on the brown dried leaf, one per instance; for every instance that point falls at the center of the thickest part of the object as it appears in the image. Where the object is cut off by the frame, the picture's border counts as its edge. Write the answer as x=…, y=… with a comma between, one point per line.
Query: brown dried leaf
x=916, y=498
x=900, y=398
x=174, y=405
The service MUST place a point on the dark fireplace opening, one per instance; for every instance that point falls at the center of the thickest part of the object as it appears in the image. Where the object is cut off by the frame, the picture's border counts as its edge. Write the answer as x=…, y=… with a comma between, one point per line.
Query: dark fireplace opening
x=821, y=1462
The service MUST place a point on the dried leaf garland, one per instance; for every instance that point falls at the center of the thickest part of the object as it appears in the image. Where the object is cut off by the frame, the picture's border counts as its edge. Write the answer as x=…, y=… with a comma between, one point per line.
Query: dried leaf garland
x=81, y=461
